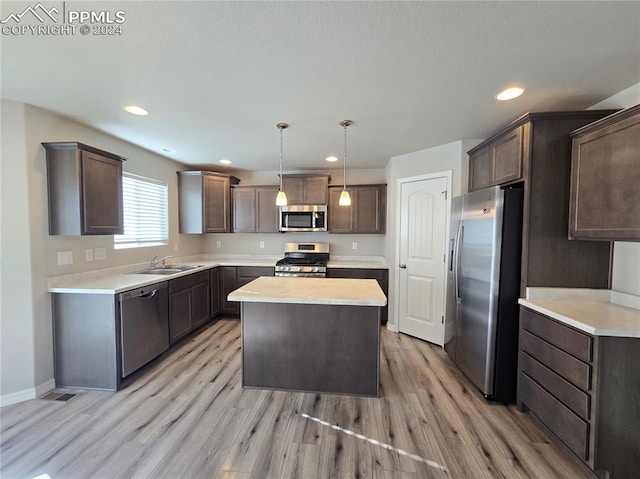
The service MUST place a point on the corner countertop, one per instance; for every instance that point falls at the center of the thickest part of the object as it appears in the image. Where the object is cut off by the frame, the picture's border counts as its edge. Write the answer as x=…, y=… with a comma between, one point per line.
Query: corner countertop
x=123, y=278
x=331, y=291
x=594, y=311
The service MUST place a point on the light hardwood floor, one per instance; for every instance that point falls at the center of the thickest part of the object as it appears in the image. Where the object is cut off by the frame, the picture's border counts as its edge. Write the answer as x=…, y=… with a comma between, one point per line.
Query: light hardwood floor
x=188, y=417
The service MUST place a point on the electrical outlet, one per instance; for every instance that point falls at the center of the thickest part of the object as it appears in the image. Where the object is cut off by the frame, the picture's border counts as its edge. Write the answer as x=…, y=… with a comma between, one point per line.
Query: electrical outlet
x=100, y=253
x=175, y=247
x=261, y=244
x=218, y=244
x=354, y=245
x=65, y=257
x=88, y=254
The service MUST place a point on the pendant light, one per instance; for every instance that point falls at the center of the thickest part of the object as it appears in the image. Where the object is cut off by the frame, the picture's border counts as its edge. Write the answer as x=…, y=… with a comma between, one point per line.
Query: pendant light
x=281, y=199
x=345, y=199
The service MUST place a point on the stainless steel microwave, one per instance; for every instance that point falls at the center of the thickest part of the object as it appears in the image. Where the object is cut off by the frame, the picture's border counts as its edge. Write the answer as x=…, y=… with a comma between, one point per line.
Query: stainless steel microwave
x=303, y=218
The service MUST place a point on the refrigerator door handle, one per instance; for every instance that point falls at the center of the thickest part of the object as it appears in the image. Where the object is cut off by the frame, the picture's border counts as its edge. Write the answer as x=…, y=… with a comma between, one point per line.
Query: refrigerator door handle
x=456, y=261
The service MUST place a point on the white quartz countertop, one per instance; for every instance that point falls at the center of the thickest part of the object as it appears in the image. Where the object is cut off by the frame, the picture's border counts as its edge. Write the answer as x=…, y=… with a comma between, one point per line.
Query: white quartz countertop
x=597, y=312
x=124, y=278
x=337, y=291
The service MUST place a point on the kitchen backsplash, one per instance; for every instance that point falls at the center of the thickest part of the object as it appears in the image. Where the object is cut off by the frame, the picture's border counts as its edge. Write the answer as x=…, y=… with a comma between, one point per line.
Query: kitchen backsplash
x=273, y=243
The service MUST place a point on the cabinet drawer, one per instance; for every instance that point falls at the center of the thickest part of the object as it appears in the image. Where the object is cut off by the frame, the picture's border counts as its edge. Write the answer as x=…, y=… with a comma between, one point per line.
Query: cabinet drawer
x=572, y=430
x=575, y=399
x=572, y=369
x=569, y=340
x=188, y=281
x=255, y=271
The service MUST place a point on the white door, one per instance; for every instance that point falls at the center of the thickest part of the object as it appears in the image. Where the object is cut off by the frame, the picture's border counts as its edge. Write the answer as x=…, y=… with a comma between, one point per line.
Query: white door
x=422, y=255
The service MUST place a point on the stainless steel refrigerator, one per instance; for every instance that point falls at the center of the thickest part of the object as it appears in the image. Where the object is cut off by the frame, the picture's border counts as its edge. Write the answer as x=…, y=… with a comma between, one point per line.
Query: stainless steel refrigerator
x=483, y=289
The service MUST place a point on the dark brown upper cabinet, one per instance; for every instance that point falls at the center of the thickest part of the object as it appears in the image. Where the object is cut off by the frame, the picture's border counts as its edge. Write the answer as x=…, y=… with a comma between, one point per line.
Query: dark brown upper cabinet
x=535, y=150
x=254, y=209
x=367, y=213
x=605, y=179
x=306, y=189
x=85, y=190
x=205, y=201
x=498, y=162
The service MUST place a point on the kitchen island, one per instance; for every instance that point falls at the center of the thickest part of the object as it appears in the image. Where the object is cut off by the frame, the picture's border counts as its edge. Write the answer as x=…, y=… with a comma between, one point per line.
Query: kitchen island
x=311, y=334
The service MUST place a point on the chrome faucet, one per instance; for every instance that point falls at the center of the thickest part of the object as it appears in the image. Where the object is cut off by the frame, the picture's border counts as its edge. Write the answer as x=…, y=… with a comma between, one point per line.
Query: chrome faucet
x=155, y=261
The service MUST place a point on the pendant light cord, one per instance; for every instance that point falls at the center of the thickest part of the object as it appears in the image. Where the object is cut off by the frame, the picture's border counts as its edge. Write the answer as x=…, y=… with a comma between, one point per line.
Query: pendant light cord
x=281, y=157
x=344, y=161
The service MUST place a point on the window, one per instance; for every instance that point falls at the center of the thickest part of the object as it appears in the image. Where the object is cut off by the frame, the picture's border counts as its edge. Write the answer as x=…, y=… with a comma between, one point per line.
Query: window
x=145, y=213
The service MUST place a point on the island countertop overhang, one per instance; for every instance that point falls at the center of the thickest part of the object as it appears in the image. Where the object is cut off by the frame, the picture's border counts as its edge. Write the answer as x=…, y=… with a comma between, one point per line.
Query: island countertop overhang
x=337, y=291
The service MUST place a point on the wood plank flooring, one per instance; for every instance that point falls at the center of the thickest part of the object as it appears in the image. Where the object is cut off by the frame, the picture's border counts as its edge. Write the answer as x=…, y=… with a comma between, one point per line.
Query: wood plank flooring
x=188, y=417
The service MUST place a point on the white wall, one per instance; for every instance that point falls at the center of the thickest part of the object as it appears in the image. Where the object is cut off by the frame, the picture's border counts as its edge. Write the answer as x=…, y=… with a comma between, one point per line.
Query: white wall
x=29, y=254
x=354, y=177
x=249, y=243
x=451, y=157
x=16, y=308
x=626, y=255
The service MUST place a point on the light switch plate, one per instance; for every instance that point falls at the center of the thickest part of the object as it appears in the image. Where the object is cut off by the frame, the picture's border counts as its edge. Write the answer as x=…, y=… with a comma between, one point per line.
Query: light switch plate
x=218, y=244
x=100, y=253
x=261, y=244
x=354, y=245
x=88, y=254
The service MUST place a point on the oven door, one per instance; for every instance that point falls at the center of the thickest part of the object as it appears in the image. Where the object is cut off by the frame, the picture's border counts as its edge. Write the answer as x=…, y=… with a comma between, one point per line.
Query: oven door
x=292, y=274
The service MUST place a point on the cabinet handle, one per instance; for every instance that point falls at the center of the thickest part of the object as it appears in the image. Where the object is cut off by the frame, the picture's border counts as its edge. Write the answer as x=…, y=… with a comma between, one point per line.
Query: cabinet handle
x=147, y=295
x=403, y=266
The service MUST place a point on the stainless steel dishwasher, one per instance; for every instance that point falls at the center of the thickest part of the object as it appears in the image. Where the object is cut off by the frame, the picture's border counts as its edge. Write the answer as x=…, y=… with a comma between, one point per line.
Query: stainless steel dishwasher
x=144, y=325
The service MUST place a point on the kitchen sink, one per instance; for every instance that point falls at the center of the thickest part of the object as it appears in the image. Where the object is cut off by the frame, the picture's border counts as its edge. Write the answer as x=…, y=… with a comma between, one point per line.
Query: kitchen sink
x=169, y=269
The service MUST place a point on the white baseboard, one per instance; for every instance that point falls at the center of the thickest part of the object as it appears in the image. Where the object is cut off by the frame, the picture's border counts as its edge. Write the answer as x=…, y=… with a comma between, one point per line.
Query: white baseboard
x=27, y=394
x=392, y=327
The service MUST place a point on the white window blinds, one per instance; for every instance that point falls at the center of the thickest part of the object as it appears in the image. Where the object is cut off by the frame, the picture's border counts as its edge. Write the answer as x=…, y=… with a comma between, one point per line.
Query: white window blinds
x=145, y=205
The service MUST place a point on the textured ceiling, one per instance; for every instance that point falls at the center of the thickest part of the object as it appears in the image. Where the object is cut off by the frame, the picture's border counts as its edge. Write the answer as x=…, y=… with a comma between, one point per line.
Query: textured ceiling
x=217, y=76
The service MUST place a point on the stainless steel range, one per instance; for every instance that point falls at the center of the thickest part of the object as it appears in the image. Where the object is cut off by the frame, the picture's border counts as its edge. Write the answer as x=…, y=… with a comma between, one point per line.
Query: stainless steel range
x=304, y=259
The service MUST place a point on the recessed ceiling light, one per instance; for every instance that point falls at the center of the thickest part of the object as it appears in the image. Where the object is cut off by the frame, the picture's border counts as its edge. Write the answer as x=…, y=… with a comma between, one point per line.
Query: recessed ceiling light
x=136, y=110
x=224, y=161
x=168, y=150
x=510, y=93
x=332, y=158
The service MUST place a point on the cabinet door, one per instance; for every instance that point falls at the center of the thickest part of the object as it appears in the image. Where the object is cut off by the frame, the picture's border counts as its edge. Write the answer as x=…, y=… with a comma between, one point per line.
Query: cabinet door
x=179, y=315
x=507, y=157
x=227, y=285
x=244, y=214
x=370, y=209
x=215, y=291
x=605, y=182
x=266, y=213
x=101, y=195
x=315, y=190
x=216, y=206
x=340, y=217
x=480, y=169
x=200, y=304
x=293, y=188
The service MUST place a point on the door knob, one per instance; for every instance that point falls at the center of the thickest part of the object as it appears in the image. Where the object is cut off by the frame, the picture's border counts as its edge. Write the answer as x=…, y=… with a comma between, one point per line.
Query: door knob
x=403, y=266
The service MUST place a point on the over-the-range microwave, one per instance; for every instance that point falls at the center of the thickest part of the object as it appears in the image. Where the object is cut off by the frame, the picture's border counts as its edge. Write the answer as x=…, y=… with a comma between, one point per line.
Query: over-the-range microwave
x=303, y=218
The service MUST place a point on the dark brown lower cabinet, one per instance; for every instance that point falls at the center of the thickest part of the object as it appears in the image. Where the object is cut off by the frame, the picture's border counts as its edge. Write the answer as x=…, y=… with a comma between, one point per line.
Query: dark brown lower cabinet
x=585, y=390
x=189, y=304
x=214, y=278
x=382, y=275
x=232, y=277
x=227, y=285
